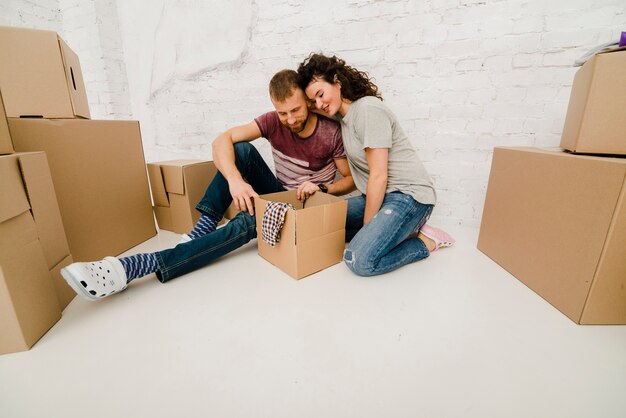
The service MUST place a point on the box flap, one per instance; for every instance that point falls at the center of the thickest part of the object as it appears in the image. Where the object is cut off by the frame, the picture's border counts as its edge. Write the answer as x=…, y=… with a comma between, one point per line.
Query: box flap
x=286, y=197
x=173, y=178
x=157, y=185
x=28, y=304
x=606, y=303
x=196, y=179
x=323, y=214
x=6, y=146
x=283, y=255
x=17, y=232
x=13, y=199
x=74, y=79
x=44, y=206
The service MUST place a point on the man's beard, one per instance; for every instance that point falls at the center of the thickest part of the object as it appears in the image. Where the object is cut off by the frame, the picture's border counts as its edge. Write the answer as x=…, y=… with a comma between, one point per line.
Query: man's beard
x=301, y=127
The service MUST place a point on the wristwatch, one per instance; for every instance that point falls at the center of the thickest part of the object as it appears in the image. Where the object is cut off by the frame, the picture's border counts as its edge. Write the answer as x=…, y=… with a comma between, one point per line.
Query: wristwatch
x=323, y=187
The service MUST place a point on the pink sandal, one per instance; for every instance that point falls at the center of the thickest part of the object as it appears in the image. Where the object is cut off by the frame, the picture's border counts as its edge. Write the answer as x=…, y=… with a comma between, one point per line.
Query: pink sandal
x=442, y=239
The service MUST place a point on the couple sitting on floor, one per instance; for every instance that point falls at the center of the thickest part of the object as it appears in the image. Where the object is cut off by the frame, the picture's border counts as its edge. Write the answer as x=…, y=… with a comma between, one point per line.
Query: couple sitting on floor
x=351, y=132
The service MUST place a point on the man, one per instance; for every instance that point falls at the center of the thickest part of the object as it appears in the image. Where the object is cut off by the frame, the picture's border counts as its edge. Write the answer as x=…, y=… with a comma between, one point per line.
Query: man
x=307, y=151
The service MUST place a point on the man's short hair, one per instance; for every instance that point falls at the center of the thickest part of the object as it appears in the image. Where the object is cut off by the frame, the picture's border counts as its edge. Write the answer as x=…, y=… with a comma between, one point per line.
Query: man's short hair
x=283, y=84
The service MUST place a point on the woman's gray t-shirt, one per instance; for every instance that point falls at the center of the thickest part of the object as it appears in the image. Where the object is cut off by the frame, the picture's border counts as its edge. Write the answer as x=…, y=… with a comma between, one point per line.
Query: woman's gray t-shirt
x=370, y=124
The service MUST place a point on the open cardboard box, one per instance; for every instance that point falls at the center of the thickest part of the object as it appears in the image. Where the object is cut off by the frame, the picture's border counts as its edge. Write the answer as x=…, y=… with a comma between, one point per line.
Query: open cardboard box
x=313, y=236
x=40, y=75
x=557, y=222
x=595, y=122
x=177, y=187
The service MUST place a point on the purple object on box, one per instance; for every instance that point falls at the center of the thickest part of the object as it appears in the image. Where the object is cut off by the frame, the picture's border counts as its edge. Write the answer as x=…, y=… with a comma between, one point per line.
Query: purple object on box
x=622, y=39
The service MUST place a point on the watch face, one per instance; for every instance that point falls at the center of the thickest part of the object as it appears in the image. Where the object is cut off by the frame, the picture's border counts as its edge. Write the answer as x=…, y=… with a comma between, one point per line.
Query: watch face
x=323, y=188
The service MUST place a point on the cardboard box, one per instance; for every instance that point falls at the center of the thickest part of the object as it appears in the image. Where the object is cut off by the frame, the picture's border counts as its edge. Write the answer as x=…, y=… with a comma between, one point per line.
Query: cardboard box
x=177, y=187
x=231, y=212
x=36, y=182
x=40, y=75
x=557, y=222
x=32, y=247
x=28, y=303
x=65, y=294
x=100, y=178
x=595, y=122
x=313, y=236
x=43, y=205
x=6, y=146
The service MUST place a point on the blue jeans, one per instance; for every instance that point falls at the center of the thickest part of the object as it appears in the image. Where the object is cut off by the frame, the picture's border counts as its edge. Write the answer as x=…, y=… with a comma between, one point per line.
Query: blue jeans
x=199, y=252
x=388, y=241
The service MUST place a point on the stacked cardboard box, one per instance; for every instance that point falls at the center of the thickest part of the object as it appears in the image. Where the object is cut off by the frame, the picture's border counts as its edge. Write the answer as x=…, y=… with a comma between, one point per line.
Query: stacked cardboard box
x=33, y=249
x=556, y=219
x=72, y=189
x=40, y=75
x=98, y=167
x=596, y=120
x=99, y=174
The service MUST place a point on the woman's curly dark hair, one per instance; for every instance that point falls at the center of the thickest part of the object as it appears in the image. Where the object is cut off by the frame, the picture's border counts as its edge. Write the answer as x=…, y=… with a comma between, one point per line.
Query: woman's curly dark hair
x=355, y=84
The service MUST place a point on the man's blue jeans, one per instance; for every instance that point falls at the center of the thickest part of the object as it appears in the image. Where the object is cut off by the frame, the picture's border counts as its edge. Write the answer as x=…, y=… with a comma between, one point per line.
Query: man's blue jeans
x=199, y=252
x=388, y=241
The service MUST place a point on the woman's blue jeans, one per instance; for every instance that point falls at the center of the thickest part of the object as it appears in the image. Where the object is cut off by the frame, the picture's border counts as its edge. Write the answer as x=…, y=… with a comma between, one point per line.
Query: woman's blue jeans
x=192, y=255
x=388, y=241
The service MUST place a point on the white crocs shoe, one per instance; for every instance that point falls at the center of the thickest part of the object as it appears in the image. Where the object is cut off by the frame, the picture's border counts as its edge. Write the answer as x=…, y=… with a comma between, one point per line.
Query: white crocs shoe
x=96, y=280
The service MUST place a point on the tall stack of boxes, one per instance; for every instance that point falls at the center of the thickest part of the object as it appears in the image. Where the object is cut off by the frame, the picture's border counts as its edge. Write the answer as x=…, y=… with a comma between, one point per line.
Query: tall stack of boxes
x=556, y=219
x=72, y=188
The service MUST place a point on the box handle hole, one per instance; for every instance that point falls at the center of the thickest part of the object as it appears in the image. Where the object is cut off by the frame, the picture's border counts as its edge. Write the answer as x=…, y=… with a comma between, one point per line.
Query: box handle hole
x=73, y=81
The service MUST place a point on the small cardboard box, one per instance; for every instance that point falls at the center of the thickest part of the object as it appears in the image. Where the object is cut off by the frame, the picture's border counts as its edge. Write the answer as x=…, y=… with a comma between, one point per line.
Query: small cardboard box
x=99, y=174
x=595, y=121
x=40, y=75
x=313, y=236
x=557, y=222
x=6, y=146
x=177, y=187
x=33, y=248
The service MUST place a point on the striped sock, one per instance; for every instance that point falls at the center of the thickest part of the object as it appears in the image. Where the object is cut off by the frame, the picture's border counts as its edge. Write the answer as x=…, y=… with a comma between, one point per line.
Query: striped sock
x=205, y=225
x=139, y=265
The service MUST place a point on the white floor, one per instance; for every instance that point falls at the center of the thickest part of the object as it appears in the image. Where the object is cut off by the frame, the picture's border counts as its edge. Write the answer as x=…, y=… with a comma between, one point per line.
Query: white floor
x=451, y=336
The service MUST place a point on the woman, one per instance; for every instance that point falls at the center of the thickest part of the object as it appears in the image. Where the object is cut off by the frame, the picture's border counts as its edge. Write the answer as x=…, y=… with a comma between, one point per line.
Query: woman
x=385, y=226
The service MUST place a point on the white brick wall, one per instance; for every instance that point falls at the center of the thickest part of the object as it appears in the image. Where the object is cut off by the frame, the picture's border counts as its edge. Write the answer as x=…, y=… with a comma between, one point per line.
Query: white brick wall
x=462, y=75
x=41, y=14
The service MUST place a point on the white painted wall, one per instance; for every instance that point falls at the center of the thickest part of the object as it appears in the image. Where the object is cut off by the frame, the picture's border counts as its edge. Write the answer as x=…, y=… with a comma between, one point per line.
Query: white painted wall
x=463, y=75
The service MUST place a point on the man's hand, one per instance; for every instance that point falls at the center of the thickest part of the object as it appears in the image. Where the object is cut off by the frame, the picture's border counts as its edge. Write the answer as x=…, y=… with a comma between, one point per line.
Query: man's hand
x=243, y=195
x=306, y=189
